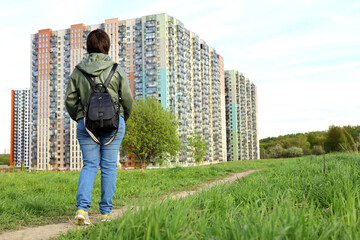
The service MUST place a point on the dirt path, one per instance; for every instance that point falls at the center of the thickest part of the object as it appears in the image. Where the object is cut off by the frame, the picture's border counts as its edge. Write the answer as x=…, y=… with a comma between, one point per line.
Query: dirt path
x=54, y=230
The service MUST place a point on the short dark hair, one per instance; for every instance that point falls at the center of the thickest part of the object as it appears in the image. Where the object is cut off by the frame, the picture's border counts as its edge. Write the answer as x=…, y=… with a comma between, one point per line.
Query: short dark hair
x=98, y=42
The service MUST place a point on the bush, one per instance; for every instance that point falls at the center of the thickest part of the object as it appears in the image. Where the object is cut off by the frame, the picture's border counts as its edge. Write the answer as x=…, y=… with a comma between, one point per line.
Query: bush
x=277, y=151
x=4, y=159
x=295, y=152
x=317, y=150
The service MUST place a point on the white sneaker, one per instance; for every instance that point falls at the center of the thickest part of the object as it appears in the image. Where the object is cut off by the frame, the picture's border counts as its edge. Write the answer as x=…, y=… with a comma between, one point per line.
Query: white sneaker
x=82, y=218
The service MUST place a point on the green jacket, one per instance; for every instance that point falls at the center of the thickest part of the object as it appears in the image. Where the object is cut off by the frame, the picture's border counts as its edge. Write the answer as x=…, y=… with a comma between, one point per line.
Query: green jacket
x=78, y=92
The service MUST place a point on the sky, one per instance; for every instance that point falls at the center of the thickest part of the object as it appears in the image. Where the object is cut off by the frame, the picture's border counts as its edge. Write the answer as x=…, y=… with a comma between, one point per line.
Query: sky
x=303, y=55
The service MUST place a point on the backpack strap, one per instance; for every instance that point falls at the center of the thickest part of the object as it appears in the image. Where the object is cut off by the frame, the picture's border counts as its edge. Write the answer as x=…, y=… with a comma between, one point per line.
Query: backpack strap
x=97, y=140
x=113, y=69
x=88, y=77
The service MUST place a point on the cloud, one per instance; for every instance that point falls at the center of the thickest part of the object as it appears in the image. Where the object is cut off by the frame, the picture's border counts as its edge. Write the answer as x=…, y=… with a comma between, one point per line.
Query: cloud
x=295, y=106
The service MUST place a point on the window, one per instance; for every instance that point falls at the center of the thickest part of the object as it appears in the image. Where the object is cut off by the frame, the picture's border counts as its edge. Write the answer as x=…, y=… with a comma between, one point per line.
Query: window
x=128, y=28
x=128, y=34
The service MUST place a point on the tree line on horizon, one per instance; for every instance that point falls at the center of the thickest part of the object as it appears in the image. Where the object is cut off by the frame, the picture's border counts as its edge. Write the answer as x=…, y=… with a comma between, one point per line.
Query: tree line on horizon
x=335, y=139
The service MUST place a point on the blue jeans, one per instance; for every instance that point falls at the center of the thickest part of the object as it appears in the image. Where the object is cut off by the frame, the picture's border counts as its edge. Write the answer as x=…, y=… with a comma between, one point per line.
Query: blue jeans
x=95, y=155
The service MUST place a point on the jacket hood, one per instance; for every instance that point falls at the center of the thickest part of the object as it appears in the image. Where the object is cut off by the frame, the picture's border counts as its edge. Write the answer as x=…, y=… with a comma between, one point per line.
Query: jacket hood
x=95, y=64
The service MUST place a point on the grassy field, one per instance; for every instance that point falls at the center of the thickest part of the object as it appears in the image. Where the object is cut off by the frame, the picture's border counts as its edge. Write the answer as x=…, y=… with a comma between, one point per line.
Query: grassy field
x=4, y=159
x=39, y=198
x=293, y=200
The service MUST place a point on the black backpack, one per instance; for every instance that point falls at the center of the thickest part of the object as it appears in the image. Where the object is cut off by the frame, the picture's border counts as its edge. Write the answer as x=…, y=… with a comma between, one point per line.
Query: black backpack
x=101, y=113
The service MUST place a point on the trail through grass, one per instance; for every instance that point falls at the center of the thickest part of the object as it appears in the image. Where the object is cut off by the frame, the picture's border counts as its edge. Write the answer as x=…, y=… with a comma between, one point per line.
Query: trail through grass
x=39, y=198
x=293, y=200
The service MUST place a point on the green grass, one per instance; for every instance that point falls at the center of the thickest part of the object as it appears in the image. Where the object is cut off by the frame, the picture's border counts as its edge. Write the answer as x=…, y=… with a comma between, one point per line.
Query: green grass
x=4, y=159
x=293, y=200
x=39, y=198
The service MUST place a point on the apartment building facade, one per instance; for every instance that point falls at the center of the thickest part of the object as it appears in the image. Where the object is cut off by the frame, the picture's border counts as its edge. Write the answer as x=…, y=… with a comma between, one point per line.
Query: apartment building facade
x=19, y=137
x=241, y=117
x=162, y=59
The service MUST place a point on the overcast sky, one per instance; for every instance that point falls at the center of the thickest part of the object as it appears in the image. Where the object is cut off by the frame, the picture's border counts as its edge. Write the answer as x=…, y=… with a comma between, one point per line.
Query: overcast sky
x=303, y=55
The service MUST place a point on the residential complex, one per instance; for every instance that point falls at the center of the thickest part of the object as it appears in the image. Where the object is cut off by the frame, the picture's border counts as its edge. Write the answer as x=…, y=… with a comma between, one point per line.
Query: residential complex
x=241, y=117
x=19, y=145
x=162, y=59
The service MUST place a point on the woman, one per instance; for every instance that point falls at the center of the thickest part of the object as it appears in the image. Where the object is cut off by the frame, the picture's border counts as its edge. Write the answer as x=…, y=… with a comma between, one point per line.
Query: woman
x=98, y=65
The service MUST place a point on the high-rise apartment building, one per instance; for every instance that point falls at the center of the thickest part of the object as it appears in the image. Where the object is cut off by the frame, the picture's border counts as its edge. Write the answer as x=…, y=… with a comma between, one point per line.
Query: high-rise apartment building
x=241, y=117
x=19, y=145
x=162, y=59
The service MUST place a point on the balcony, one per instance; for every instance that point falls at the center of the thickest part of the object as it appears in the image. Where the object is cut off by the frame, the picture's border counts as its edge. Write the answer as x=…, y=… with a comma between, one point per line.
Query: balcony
x=151, y=90
x=138, y=62
x=153, y=95
x=151, y=61
x=138, y=26
x=151, y=23
x=150, y=54
x=150, y=72
x=138, y=91
x=150, y=42
x=150, y=30
x=138, y=73
x=138, y=50
x=150, y=78
x=138, y=85
x=152, y=84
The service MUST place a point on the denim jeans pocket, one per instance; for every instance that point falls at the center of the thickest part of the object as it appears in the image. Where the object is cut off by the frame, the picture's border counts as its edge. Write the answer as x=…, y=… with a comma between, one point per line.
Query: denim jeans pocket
x=80, y=129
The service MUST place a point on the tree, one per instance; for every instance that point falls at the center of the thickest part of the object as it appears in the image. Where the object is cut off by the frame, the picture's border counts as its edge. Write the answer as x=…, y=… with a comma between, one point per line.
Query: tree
x=311, y=138
x=197, y=146
x=334, y=138
x=352, y=139
x=151, y=132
